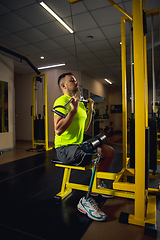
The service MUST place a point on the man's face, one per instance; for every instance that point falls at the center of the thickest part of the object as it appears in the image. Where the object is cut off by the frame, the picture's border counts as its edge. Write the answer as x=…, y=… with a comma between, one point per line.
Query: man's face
x=71, y=84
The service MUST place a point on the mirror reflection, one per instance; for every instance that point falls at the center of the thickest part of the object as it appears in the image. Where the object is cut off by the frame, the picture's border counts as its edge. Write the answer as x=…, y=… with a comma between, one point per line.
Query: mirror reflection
x=3, y=106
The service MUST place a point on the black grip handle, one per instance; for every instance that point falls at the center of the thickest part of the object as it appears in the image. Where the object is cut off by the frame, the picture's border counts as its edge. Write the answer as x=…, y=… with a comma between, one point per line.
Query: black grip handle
x=64, y=107
x=70, y=101
x=59, y=113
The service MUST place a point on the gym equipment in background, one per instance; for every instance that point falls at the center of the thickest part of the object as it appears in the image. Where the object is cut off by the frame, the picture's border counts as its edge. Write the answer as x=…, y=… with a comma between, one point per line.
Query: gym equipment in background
x=152, y=122
x=39, y=113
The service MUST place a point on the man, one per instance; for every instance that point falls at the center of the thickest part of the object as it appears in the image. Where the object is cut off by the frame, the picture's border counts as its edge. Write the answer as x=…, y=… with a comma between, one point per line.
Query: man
x=69, y=132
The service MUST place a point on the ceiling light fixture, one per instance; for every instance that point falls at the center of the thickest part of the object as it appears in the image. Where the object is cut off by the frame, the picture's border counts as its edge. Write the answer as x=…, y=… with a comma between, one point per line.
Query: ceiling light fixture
x=52, y=66
x=108, y=81
x=42, y=57
x=55, y=16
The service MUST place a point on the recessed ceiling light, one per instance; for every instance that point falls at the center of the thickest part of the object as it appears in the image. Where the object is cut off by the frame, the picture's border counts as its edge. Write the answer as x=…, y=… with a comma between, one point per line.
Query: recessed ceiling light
x=42, y=57
x=52, y=66
x=108, y=81
x=90, y=36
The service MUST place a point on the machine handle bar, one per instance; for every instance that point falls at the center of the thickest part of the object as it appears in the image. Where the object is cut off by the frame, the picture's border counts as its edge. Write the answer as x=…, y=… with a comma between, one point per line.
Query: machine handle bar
x=64, y=107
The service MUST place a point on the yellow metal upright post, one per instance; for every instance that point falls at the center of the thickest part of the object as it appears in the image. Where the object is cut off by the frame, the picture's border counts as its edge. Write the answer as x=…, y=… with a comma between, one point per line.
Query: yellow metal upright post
x=139, y=207
x=46, y=112
x=124, y=90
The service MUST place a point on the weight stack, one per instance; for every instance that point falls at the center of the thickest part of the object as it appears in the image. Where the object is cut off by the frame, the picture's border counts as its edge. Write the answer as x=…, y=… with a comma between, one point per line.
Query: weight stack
x=147, y=156
x=152, y=123
x=36, y=129
x=132, y=142
x=39, y=129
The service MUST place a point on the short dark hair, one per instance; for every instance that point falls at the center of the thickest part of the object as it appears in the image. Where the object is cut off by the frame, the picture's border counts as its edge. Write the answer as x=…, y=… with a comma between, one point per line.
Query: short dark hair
x=62, y=76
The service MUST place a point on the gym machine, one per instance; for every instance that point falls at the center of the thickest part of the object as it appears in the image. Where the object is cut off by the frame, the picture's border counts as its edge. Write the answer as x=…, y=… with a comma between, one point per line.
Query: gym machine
x=145, y=199
x=39, y=120
x=138, y=189
x=153, y=120
x=132, y=120
x=39, y=113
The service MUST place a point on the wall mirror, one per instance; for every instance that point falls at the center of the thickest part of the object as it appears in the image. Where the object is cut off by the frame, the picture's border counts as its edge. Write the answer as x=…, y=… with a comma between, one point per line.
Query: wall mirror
x=3, y=106
x=100, y=120
x=100, y=106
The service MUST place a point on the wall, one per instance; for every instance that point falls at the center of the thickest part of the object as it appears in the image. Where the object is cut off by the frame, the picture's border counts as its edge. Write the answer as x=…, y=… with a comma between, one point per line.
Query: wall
x=23, y=101
x=7, y=75
x=94, y=86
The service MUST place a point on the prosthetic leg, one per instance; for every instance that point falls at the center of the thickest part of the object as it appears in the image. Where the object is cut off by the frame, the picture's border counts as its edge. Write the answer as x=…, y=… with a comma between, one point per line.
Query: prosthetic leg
x=96, y=162
x=88, y=205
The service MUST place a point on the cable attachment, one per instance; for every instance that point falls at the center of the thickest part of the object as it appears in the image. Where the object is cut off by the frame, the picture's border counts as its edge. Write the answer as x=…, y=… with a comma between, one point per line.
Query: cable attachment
x=64, y=107
x=97, y=159
x=81, y=99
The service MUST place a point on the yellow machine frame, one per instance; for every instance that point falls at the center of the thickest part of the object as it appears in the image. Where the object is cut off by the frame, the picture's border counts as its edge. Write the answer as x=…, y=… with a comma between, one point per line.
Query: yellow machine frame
x=144, y=202
x=141, y=216
x=34, y=142
x=68, y=186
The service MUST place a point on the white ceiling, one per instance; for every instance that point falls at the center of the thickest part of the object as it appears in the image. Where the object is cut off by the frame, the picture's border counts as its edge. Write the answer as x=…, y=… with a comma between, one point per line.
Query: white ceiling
x=27, y=29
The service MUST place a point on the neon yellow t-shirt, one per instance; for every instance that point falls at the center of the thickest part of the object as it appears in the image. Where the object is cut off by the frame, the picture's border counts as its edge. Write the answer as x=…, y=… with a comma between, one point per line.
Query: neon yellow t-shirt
x=74, y=133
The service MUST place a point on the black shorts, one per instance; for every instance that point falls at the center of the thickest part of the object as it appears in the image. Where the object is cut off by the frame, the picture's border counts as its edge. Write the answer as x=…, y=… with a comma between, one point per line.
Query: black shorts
x=73, y=155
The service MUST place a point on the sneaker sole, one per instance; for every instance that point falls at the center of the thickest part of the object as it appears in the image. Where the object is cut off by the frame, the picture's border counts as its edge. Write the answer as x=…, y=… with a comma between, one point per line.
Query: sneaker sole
x=94, y=194
x=107, y=196
x=103, y=195
x=82, y=210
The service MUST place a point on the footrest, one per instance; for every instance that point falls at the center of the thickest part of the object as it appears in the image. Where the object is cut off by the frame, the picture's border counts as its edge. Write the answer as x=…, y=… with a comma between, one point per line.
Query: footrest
x=56, y=161
x=61, y=164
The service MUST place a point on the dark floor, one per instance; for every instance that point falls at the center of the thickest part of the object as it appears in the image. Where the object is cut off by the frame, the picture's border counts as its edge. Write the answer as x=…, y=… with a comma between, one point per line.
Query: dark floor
x=28, y=210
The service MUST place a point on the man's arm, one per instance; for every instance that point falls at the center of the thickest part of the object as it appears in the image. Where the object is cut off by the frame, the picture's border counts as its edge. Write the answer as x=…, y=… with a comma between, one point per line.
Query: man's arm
x=61, y=124
x=89, y=114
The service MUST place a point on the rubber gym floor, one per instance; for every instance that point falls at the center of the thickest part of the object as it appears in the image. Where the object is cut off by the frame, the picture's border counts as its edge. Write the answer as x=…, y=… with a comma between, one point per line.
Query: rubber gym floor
x=28, y=210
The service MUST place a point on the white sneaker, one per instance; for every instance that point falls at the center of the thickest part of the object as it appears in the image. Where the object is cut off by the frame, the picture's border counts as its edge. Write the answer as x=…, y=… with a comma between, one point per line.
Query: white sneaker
x=90, y=207
x=102, y=185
